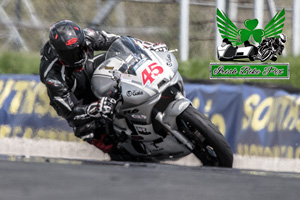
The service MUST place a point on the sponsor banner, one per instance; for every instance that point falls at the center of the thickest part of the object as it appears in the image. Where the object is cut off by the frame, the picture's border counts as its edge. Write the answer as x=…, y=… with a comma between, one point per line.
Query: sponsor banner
x=25, y=110
x=255, y=121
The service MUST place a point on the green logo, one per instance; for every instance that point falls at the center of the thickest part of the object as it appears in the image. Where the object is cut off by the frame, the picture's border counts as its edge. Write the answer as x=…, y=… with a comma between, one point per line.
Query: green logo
x=258, y=44
x=228, y=30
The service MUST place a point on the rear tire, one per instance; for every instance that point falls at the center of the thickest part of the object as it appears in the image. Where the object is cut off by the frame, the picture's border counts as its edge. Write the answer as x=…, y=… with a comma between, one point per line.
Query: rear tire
x=211, y=146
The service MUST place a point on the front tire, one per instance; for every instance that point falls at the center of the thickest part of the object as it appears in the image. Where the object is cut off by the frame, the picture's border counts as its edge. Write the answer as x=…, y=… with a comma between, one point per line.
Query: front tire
x=266, y=54
x=211, y=146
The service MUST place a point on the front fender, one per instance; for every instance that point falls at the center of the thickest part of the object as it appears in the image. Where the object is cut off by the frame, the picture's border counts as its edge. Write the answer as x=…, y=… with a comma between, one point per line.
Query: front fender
x=174, y=109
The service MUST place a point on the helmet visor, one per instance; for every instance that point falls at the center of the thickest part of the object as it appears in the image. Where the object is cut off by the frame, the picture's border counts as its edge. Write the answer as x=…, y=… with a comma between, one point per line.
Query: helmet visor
x=72, y=57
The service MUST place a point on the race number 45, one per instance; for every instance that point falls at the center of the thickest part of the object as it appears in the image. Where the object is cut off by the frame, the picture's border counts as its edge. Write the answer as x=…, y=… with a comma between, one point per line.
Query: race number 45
x=151, y=72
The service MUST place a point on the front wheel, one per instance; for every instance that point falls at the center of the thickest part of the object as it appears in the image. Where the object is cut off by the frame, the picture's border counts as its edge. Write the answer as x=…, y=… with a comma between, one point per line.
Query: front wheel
x=266, y=54
x=211, y=146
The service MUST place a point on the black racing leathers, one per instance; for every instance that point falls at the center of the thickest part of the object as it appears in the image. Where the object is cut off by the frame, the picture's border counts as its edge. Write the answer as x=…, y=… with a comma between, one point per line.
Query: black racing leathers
x=69, y=89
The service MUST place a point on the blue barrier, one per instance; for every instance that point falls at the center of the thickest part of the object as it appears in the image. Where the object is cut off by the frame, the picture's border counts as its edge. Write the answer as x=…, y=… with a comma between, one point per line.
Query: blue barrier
x=255, y=121
x=25, y=110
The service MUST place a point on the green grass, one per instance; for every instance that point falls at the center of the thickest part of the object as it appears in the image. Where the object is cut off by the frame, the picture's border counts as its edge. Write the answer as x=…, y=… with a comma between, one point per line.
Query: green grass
x=19, y=62
x=28, y=63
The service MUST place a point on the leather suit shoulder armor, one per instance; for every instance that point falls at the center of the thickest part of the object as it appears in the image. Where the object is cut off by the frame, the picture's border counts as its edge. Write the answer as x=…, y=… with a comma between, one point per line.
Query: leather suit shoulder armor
x=99, y=40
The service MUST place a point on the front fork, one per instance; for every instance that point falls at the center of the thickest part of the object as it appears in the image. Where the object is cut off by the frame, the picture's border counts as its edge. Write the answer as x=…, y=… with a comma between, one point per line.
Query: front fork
x=168, y=118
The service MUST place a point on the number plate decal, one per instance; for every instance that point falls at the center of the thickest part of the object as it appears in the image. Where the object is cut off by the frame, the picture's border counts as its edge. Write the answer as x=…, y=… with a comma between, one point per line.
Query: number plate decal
x=151, y=72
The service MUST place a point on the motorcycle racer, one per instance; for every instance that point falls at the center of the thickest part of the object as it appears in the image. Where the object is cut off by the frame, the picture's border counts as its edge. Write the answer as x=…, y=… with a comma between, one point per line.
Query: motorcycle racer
x=274, y=45
x=66, y=67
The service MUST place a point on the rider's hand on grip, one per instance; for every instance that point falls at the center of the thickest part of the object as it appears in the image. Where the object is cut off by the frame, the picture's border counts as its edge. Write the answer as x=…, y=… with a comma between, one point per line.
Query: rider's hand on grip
x=92, y=110
x=103, y=106
x=159, y=47
x=106, y=105
x=155, y=47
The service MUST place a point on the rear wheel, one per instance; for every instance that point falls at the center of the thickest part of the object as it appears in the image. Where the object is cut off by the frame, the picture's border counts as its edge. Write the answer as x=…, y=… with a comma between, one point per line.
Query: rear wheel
x=211, y=146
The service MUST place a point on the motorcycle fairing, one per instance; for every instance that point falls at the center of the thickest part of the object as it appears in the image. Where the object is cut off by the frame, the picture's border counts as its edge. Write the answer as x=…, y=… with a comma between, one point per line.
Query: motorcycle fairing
x=139, y=97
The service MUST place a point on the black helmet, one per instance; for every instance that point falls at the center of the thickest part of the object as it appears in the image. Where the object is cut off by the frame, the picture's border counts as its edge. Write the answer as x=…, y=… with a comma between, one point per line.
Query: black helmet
x=67, y=40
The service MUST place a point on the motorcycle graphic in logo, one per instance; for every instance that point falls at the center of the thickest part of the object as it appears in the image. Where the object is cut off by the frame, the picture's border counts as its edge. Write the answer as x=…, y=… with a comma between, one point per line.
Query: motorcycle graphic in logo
x=270, y=40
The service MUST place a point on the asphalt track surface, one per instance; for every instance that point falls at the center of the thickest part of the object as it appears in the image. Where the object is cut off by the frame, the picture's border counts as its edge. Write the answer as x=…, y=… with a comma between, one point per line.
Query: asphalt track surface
x=74, y=180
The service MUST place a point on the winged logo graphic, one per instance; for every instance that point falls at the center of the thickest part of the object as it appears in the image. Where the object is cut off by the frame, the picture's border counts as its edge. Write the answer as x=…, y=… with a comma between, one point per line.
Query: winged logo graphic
x=228, y=30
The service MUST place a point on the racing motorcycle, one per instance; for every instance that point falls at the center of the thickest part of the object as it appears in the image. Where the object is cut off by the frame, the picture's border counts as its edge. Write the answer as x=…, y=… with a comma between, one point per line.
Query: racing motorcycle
x=153, y=120
x=267, y=52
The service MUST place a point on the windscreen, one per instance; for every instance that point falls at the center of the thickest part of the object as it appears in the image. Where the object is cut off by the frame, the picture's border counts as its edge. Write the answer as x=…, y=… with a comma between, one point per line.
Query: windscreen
x=126, y=49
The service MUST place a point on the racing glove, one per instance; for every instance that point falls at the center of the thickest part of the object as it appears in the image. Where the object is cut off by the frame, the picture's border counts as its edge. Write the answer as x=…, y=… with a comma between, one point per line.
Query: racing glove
x=103, y=106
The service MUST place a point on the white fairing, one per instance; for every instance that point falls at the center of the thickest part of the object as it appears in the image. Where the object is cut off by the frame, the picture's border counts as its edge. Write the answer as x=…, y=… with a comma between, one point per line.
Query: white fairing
x=222, y=50
x=229, y=52
x=141, y=85
x=244, y=51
